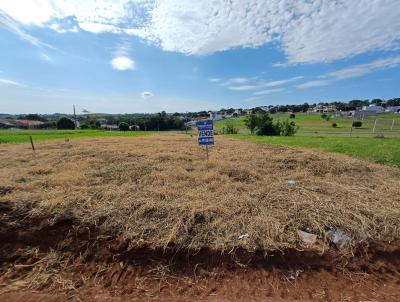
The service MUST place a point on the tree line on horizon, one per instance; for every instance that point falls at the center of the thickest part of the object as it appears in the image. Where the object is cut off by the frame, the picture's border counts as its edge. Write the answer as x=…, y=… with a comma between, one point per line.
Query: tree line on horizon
x=176, y=121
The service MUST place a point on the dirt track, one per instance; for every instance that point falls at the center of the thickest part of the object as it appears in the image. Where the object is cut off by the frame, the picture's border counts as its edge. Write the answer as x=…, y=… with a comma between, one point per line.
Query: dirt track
x=63, y=257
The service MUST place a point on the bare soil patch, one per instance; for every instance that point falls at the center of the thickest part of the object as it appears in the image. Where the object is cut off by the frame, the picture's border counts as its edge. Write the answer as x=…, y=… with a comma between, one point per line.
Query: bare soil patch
x=150, y=218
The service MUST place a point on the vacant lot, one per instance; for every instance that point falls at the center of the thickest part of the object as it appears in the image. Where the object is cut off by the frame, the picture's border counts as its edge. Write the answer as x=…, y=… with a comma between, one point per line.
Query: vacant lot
x=150, y=217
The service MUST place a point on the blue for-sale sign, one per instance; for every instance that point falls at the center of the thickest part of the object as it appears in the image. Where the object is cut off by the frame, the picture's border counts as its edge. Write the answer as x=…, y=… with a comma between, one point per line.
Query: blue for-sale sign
x=205, y=132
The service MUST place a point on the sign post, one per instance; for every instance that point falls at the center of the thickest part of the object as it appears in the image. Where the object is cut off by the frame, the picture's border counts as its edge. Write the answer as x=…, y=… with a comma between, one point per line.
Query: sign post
x=205, y=134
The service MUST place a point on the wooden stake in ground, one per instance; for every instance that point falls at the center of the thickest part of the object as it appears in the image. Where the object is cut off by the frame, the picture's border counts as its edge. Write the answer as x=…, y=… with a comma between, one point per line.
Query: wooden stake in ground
x=352, y=122
x=33, y=146
x=373, y=130
x=391, y=128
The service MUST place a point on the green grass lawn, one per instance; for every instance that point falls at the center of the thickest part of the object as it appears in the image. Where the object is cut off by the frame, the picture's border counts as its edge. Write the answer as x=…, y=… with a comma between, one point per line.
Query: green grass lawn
x=314, y=125
x=381, y=150
x=22, y=136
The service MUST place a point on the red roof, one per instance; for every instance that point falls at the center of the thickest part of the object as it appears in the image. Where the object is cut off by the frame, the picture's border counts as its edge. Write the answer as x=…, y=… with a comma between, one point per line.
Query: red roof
x=28, y=123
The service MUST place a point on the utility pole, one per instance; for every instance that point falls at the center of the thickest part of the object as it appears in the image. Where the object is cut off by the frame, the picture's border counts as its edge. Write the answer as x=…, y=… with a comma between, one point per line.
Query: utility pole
x=391, y=128
x=74, y=116
x=186, y=121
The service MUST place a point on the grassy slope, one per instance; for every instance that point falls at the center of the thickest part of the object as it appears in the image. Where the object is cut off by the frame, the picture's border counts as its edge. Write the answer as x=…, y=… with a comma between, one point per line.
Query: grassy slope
x=314, y=125
x=385, y=151
x=315, y=132
x=22, y=136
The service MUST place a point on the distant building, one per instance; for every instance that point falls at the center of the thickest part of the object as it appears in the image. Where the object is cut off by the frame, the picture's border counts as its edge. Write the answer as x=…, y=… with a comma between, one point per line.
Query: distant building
x=368, y=111
x=110, y=127
x=217, y=116
x=7, y=123
x=238, y=112
x=323, y=109
x=395, y=109
x=29, y=123
x=373, y=109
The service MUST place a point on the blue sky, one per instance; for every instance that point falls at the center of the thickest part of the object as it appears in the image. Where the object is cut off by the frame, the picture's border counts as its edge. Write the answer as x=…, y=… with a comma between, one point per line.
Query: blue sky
x=180, y=55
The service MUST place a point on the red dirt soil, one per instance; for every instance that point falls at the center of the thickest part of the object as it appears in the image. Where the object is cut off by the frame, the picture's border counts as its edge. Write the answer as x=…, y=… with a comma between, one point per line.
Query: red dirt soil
x=93, y=266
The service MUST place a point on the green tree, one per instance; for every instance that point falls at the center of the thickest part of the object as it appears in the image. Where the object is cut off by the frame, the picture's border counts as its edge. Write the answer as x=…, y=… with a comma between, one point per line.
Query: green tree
x=123, y=126
x=265, y=125
x=251, y=122
x=65, y=123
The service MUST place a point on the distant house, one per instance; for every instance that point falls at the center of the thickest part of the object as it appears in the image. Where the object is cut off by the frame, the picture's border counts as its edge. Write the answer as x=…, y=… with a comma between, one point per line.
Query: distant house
x=368, y=111
x=395, y=109
x=29, y=123
x=323, y=109
x=238, y=112
x=217, y=116
x=373, y=109
x=7, y=123
x=110, y=127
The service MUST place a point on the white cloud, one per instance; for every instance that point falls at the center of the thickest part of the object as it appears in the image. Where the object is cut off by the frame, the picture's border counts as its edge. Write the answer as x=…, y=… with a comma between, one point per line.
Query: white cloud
x=215, y=80
x=252, y=99
x=308, y=31
x=280, y=82
x=146, y=95
x=311, y=84
x=253, y=85
x=4, y=81
x=243, y=87
x=268, y=91
x=46, y=57
x=12, y=26
x=234, y=81
x=123, y=63
x=352, y=72
x=363, y=69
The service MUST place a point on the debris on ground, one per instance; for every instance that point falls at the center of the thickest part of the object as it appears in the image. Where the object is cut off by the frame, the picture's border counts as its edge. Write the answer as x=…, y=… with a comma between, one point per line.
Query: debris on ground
x=244, y=236
x=307, y=238
x=339, y=238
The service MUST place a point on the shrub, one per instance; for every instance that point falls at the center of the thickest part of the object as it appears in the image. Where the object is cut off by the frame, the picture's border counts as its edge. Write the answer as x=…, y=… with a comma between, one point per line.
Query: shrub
x=265, y=125
x=292, y=115
x=65, y=123
x=287, y=128
x=323, y=115
x=123, y=126
x=230, y=128
x=251, y=122
x=357, y=124
x=334, y=125
x=85, y=126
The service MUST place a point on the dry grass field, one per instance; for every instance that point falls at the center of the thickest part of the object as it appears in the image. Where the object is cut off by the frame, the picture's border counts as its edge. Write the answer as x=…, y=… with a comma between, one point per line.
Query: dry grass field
x=146, y=199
